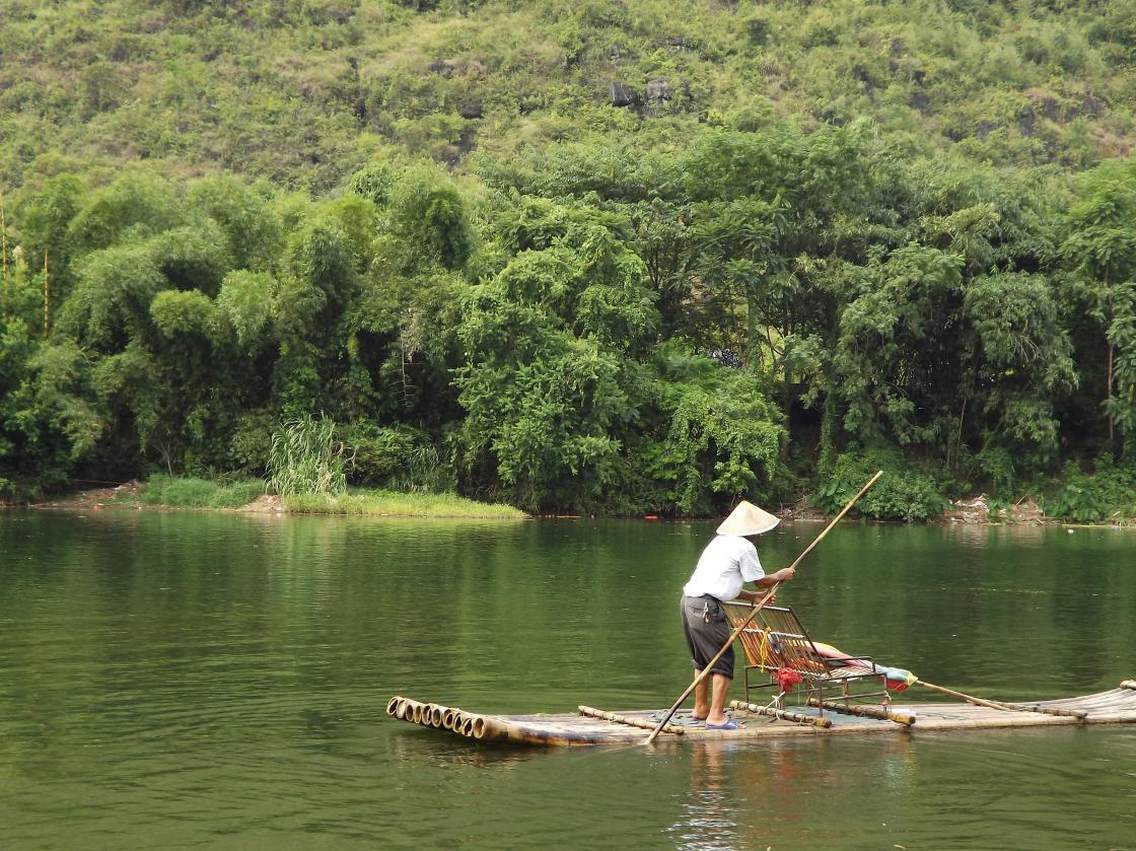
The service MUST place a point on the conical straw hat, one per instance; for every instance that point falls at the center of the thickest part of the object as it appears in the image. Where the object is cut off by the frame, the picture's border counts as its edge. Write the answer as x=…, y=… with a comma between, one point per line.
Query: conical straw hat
x=748, y=519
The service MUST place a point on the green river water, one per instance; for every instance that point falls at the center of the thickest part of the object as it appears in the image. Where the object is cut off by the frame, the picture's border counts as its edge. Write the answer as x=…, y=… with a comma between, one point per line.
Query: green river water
x=177, y=680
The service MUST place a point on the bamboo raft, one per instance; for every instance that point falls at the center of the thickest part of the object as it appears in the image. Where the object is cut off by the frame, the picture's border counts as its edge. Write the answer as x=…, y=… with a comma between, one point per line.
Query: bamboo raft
x=598, y=727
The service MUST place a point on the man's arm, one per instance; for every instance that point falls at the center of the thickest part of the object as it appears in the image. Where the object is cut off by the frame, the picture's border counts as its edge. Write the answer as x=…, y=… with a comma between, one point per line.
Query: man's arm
x=770, y=579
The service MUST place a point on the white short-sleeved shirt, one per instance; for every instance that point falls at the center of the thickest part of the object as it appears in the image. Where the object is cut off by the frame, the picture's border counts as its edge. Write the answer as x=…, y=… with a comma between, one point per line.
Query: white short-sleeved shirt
x=727, y=563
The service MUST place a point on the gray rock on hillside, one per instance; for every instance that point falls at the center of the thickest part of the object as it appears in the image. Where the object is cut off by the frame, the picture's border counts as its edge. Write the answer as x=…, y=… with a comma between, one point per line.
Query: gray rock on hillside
x=659, y=90
x=622, y=94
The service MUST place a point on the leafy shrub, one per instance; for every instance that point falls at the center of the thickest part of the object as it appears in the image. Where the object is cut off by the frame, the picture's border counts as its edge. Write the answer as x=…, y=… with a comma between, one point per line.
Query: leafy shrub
x=900, y=494
x=429, y=217
x=723, y=436
x=306, y=457
x=246, y=301
x=373, y=182
x=718, y=444
x=399, y=458
x=1109, y=492
x=997, y=465
x=251, y=442
x=177, y=491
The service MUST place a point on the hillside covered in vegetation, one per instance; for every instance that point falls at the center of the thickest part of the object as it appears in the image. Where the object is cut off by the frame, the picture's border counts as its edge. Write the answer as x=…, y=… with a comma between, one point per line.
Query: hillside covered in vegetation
x=608, y=256
x=304, y=92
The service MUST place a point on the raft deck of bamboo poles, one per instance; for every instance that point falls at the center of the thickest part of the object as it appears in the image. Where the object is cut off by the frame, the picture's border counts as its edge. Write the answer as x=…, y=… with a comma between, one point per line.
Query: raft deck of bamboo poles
x=599, y=727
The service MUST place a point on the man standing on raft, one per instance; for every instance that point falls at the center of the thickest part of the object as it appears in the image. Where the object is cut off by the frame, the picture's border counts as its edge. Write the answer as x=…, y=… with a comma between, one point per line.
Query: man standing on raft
x=727, y=563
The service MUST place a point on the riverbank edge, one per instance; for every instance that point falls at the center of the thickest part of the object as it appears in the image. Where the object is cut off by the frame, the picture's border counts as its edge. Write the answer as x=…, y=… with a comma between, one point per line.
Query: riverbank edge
x=972, y=511
x=367, y=503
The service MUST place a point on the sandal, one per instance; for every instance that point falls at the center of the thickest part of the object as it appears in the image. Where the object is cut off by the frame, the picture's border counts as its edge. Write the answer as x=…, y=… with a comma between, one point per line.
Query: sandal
x=729, y=725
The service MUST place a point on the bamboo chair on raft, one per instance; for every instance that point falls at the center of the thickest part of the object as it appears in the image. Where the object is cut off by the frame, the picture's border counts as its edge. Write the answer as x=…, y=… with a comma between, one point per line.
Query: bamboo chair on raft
x=776, y=642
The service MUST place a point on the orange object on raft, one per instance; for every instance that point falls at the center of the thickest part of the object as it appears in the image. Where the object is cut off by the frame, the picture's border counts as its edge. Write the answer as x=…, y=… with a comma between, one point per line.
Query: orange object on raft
x=898, y=679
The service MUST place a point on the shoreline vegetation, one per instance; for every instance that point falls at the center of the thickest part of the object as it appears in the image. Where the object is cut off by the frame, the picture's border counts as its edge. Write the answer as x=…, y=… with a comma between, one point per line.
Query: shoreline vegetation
x=166, y=493
x=250, y=496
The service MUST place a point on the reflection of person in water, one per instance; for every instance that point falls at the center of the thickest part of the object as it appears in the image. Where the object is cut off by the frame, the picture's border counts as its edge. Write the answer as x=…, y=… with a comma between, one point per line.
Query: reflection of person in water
x=709, y=818
x=744, y=794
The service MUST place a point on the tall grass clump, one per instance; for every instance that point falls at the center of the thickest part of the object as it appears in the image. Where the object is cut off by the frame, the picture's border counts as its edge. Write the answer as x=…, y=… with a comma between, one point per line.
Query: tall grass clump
x=306, y=457
x=385, y=503
x=190, y=492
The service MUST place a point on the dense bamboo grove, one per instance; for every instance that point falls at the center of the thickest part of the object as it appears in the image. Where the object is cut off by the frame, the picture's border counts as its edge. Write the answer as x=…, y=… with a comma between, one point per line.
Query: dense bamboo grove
x=654, y=309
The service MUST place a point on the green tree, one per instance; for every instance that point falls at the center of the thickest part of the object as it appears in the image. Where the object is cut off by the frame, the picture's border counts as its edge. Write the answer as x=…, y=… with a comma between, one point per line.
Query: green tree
x=545, y=385
x=721, y=437
x=1018, y=363
x=429, y=221
x=320, y=283
x=1100, y=251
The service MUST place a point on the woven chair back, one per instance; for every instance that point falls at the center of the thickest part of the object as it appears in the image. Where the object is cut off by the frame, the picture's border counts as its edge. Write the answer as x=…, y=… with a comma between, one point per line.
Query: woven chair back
x=776, y=639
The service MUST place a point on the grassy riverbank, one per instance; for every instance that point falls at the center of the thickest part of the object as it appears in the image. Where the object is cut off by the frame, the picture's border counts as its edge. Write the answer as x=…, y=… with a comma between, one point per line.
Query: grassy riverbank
x=391, y=503
x=190, y=492
x=249, y=494
x=1103, y=498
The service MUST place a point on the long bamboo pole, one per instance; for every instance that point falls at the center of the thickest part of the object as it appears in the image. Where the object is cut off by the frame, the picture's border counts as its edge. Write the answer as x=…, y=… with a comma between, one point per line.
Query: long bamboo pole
x=761, y=604
x=783, y=714
x=997, y=704
x=864, y=711
x=617, y=718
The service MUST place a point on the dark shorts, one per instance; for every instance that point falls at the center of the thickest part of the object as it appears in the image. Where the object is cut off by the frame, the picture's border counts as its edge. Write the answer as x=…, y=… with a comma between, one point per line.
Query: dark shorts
x=706, y=639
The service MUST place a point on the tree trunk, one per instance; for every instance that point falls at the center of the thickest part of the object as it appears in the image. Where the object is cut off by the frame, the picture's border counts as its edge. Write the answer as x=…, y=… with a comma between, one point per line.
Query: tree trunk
x=1108, y=401
x=786, y=398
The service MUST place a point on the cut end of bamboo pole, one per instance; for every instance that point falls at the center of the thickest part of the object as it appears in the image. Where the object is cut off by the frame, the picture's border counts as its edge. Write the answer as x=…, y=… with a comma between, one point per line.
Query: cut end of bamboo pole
x=477, y=728
x=441, y=717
